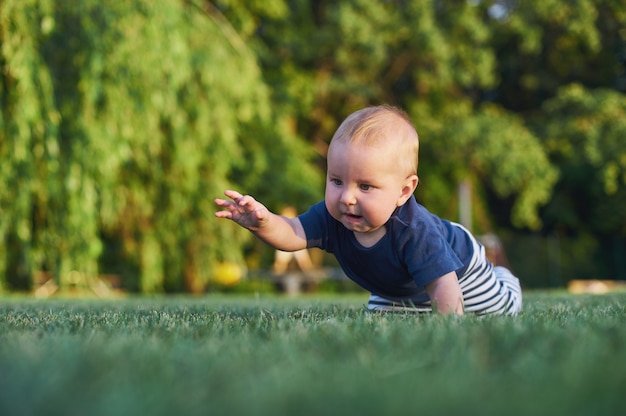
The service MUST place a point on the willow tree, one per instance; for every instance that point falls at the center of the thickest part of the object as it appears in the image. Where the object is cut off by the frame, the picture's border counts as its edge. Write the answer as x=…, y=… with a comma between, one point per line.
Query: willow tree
x=121, y=122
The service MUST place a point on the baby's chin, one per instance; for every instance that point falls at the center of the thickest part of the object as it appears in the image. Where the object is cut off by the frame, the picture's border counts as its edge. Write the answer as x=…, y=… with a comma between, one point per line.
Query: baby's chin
x=358, y=226
x=353, y=222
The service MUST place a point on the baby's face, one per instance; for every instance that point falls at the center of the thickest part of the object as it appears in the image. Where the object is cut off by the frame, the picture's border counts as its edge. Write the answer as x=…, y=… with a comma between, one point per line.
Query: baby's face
x=363, y=186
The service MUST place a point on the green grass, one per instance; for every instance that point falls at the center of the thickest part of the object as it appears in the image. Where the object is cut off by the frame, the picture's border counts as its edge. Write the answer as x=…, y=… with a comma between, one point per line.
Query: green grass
x=564, y=355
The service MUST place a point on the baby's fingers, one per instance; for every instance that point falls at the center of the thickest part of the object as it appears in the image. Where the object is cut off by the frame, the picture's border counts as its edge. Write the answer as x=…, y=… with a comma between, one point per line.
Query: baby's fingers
x=244, y=203
x=226, y=204
x=222, y=202
x=228, y=207
x=247, y=202
x=224, y=214
x=234, y=195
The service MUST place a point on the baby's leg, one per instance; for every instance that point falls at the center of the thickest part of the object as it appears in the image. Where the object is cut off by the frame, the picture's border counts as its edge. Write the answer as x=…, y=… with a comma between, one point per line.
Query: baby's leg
x=512, y=285
x=493, y=290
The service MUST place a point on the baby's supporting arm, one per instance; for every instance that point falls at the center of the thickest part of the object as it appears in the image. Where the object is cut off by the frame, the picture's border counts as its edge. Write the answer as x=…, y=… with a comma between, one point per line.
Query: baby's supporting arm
x=445, y=294
x=279, y=232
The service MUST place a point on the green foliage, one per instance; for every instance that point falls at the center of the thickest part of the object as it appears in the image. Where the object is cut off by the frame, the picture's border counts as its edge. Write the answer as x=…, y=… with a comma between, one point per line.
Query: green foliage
x=543, y=45
x=493, y=148
x=309, y=356
x=123, y=121
x=327, y=59
x=584, y=134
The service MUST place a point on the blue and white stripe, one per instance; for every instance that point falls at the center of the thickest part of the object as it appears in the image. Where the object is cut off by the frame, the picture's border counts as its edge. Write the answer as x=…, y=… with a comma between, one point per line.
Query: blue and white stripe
x=487, y=289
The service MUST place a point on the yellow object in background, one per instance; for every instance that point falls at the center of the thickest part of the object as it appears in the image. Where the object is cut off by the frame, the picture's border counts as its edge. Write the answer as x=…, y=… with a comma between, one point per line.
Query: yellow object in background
x=227, y=273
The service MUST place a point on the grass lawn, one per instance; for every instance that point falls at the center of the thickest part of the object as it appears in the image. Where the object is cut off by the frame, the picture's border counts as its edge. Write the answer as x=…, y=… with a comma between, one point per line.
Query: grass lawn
x=221, y=355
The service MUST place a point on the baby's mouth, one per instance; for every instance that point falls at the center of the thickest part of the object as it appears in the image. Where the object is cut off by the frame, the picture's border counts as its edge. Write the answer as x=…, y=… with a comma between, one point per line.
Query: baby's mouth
x=353, y=217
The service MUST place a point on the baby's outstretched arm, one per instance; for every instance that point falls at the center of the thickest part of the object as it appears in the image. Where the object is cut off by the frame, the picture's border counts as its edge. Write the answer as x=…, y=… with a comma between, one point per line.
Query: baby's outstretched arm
x=280, y=232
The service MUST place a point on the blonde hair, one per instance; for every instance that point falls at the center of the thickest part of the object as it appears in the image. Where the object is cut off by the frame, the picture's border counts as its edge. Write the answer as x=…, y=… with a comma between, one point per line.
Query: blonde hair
x=382, y=125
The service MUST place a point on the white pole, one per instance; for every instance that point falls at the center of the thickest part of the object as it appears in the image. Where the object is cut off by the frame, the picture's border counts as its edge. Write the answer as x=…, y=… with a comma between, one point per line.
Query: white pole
x=465, y=204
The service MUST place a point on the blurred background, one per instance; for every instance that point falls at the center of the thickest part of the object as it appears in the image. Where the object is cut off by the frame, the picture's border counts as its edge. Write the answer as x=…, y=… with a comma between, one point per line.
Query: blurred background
x=122, y=120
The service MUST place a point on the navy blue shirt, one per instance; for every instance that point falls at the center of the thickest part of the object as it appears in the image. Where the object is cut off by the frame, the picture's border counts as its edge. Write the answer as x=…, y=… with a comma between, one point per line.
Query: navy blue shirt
x=417, y=248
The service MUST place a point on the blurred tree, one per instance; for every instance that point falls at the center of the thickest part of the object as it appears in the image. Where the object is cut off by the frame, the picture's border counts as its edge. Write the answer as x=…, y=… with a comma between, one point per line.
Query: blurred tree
x=121, y=121
x=584, y=134
x=542, y=45
x=494, y=151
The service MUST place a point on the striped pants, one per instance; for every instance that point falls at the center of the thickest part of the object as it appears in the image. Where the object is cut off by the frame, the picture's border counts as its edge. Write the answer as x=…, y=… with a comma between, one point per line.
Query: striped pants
x=486, y=290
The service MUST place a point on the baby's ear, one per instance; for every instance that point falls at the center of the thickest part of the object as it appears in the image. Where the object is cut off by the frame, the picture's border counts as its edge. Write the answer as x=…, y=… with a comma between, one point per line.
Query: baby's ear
x=410, y=183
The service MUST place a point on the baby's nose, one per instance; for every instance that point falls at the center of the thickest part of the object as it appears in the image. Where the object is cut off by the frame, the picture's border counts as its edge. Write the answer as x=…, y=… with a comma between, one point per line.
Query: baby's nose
x=348, y=198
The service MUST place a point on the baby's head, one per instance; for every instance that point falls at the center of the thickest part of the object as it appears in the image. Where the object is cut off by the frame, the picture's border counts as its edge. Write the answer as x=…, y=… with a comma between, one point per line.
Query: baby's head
x=386, y=127
x=372, y=170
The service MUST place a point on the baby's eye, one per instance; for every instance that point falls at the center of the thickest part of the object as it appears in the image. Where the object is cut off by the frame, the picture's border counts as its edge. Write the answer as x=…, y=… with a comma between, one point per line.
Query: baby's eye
x=365, y=187
x=336, y=182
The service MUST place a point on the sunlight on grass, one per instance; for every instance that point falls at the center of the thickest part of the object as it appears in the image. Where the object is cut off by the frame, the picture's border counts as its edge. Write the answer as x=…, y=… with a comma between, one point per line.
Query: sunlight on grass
x=240, y=355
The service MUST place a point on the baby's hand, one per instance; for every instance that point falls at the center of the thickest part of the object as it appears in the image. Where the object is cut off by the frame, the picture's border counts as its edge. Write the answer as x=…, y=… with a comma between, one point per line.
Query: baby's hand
x=243, y=209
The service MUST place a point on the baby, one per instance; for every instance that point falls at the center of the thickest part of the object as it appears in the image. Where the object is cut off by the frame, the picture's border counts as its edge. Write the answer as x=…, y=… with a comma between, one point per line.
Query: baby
x=406, y=257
